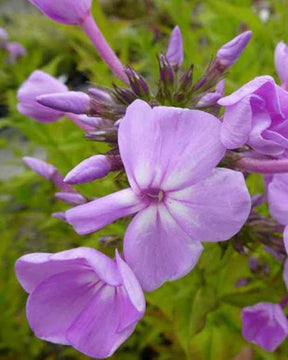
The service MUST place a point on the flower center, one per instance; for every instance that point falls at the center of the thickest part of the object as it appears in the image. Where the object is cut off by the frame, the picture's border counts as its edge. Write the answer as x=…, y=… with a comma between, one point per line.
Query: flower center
x=155, y=194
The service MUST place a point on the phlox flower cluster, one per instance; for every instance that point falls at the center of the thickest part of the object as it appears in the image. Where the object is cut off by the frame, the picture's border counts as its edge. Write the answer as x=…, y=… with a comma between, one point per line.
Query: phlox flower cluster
x=185, y=186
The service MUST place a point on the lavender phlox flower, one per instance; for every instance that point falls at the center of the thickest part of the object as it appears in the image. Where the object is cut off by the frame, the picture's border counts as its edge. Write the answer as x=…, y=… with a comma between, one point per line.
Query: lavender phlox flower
x=257, y=115
x=264, y=324
x=175, y=52
x=76, y=102
x=281, y=63
x=169, y=155
x=81, y=298
x=39, y=83
x=229, y=53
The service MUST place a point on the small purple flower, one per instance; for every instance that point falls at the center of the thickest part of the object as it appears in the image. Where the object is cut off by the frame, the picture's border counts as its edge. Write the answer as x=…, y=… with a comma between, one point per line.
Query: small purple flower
x=257, y=114
x=169, y=155
x=15, y=51
x=76, y=102
x=281, y=63
x=81, y=298
x=229, y=53
x=37, y=84
x=175, y=49
x=265, y=324
x=71, y=12
x=95, y=167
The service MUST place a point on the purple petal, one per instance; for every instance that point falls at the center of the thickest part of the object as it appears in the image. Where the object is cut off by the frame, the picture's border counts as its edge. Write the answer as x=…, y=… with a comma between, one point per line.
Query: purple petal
x=57, y=301
x=265, y=324
x=39, y=83
x=72, y=12
x=281, y=62
x=75, y=102
x=214, y=209
x=96, y=214
x=157, y=249
x=237, y=122
x=230, y=52
x=95, y=167
x=168, y=148
x=175, y=49
x=277, y=195
x=32, y=269
x=94, y=332
x=245, y=90
x=131, y=284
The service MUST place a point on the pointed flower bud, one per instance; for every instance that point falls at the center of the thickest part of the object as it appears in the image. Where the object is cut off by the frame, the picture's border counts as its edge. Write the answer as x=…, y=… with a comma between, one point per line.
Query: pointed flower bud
x=48, y=172
x=42, y=168
x=39, y=83
x=166, y=71
x=175, y=48
x=71, y=12
x=137, y=83
x=71, y=198
x=75, y=102
x=281, y=63
x=265, y=324
x=211, y=98
x=95, y=167
x=101, y=95
x=229, y=53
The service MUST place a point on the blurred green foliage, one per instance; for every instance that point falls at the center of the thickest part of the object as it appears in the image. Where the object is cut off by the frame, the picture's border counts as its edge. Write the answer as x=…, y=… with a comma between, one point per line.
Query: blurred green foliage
x=197, y=317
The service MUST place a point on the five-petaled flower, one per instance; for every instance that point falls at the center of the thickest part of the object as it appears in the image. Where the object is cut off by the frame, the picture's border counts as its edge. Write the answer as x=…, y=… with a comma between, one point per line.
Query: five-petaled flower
x=82, y=298
x=180, y=198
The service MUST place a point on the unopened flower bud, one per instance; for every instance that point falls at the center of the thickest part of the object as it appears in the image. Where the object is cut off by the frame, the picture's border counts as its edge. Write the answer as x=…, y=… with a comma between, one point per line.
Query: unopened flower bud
x=137, y=83
x=71, y=12
x=95, y=167
x=211, y=98
x=42, y=168
x=166, y=71
x=229, y=53
x=48, y=172
x=175, y=48
x=101, y=95
x=75, y=102
x=71, y=198
x=281, y=63
x=265, y=324
x=39, y=83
